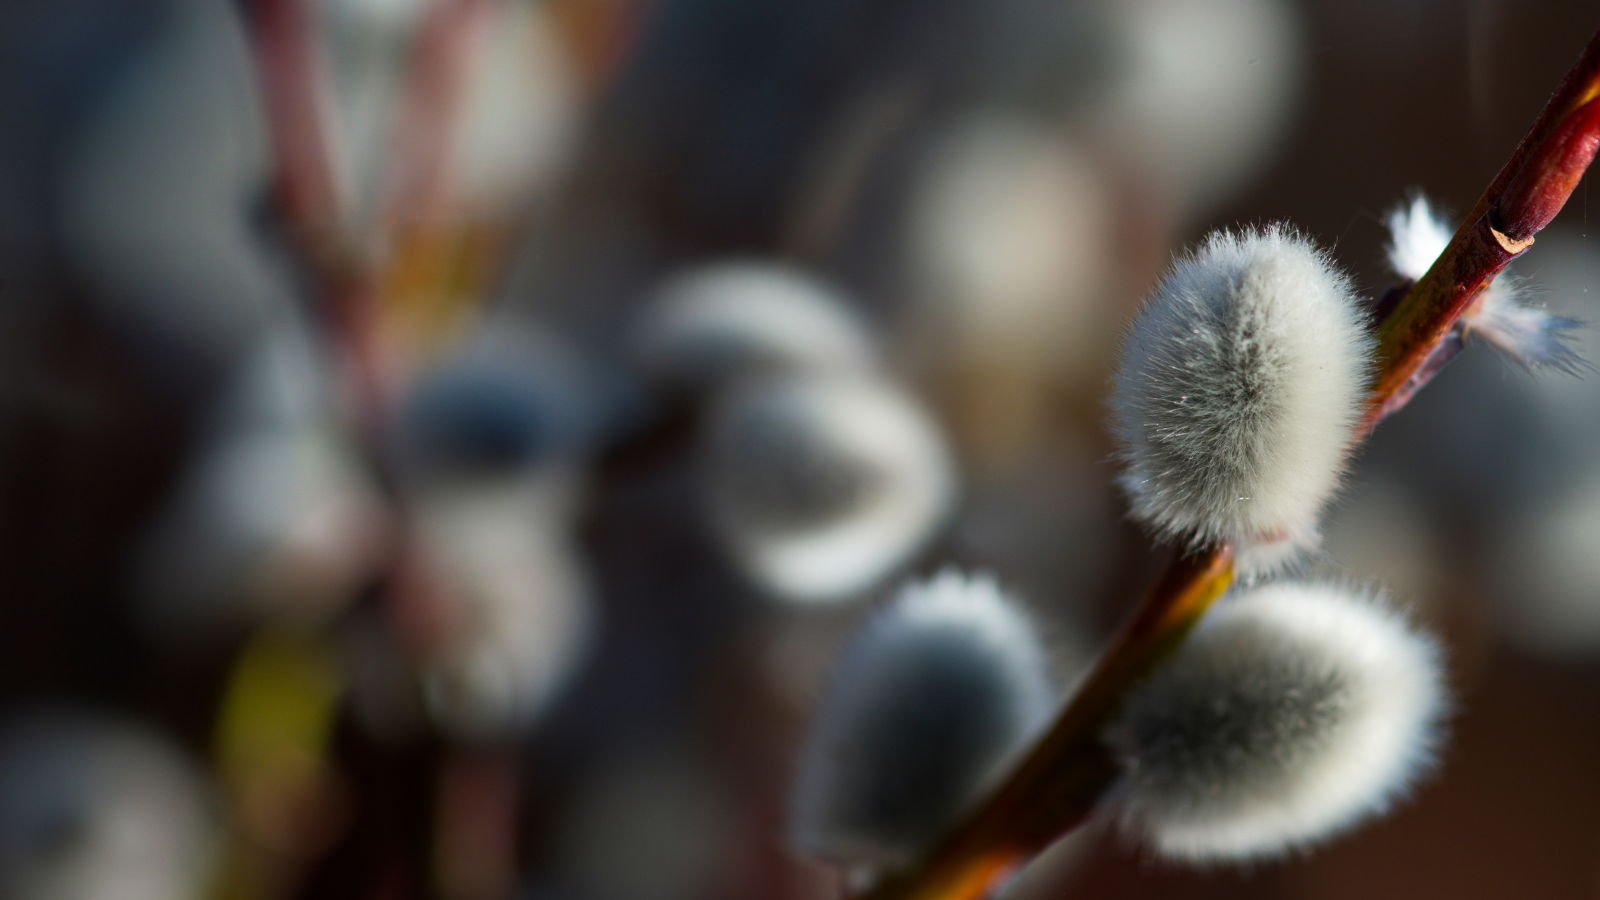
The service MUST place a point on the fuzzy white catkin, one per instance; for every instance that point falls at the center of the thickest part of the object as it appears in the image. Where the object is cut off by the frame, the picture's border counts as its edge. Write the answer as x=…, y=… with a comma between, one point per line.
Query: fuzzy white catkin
x=1241, y=382
x=96, y=808
x=736, y=318
x=1005, y=248
x=1502, y=314
x=274, y=520
x=820, y=486
x=1291, y=713
x=155, y=192
x=1203, y=91
x=932, y=696
x=521, y=606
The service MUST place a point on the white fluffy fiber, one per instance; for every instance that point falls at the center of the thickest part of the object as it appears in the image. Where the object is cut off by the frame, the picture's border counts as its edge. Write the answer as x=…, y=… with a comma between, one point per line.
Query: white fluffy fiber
x=1242, y=379
x=741, y=317
x=1417, y=235
x=933, y=695
x=822, y=485
x=1291, y=713
x=1502, y=315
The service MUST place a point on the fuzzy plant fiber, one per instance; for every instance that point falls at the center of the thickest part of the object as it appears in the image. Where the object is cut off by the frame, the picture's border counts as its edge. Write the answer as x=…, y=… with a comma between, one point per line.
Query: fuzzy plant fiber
x=1291, y=713
x=932, y=696
x=1241, y=382
x=821, y=486
x=1504, y=314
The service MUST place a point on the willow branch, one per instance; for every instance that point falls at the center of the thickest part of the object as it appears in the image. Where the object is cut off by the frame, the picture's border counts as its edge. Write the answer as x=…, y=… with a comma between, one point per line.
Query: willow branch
x=1527, y=193
x=1063, y=777
x=352, y=281
x=432, y=103
x=304, y=179
x=1061, y=780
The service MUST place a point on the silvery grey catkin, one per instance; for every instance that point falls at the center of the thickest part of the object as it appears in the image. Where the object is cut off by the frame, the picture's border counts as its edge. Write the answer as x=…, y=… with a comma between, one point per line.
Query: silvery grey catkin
x=722, y=321
x=1292, y=712
x=1241, y=383
x=98, y=807
x=820, y=486
x=932, y=697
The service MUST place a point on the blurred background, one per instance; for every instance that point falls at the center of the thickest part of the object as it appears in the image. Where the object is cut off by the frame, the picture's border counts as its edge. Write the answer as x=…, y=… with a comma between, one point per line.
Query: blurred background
x=444, y=443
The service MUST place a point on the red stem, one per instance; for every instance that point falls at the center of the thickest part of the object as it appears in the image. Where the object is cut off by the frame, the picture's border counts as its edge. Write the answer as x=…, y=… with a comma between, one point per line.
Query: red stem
x=1059, y=782
x=308, y=193
x=1526, y=194
x=431, y=109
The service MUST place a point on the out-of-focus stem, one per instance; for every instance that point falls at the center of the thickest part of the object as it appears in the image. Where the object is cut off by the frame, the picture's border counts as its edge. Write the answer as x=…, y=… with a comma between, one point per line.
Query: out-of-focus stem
x=352, y=281
x=432, y=102
x=1058, y=784
x=386, y=851
x=307, y=187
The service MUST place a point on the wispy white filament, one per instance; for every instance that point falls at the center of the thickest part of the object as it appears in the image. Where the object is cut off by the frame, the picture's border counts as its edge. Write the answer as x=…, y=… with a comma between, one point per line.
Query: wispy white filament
x=1502, y=315
x=1242, y=380
x=1291, y=713
x=820, y=486
x=1417, y=235
x=934, y=693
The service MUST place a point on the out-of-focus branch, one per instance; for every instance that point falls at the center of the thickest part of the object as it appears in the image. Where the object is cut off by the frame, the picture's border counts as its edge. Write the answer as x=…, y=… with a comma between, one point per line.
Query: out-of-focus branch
x=433, y=264
x=355, y=273
x=358, y=268
x=1059, y=782
x=432, y=103
x=306, y=185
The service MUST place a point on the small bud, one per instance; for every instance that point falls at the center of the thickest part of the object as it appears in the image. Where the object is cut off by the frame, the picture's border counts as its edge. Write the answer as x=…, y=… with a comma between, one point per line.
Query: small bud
x=1530, y=336
x=1242, y=381
x=820, y=486
x=1291, y=713
x=729, y=319
x=932, y=696
x=1550, y=174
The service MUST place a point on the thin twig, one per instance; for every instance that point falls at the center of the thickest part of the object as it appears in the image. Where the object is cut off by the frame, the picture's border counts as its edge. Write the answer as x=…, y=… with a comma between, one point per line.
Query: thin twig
x=1527, y=193
x=357, y=270
x=307, y=187
x=1059, y=782
x=432, y=103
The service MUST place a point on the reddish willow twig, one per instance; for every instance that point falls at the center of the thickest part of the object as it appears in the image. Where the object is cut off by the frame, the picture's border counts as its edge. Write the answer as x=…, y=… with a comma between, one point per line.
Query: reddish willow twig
x=1062, y=779
x=307, y=188
x=357, y=268
x=356, y=272
x=431, y=101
